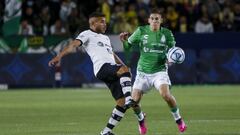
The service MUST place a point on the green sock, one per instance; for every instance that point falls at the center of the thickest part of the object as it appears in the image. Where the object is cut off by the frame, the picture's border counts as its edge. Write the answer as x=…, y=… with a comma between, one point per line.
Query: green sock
x=174, y=109
x=175, y=113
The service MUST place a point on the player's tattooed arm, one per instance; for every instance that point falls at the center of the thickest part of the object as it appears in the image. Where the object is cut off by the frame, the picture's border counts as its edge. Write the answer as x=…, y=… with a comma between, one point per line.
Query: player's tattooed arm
x=68, y=49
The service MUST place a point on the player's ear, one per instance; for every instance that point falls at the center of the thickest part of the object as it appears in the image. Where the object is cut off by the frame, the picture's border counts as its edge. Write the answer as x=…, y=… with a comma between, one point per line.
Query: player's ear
x=149, y=20
x=91, y=21
x=161, y=20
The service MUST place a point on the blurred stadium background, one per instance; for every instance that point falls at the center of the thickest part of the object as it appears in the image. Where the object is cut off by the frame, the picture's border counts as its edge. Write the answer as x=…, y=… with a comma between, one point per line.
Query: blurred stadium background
x=33, y=31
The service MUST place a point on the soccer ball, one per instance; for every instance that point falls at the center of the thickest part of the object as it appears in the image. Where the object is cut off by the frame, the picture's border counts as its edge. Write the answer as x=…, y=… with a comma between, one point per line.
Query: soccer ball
x=176, y=55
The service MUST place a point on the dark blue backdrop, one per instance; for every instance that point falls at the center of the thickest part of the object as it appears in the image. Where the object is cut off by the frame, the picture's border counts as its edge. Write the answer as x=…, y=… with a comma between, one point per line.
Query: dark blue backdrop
x=211, y=66
x=210, y=58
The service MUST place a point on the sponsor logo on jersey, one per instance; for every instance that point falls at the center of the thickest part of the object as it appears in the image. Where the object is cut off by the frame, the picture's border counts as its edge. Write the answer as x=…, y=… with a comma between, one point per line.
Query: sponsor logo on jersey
x=145, y=39
x=100, y=44
x=110, y=50
x=107, y=45
x=146, y=49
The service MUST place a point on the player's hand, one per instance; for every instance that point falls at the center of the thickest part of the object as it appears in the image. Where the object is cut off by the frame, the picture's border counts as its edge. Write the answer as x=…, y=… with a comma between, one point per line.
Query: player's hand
x=123, y=36
x=54, y=61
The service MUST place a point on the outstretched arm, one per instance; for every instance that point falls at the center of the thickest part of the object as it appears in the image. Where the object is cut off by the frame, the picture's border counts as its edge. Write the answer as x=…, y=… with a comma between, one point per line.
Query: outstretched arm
x=124, y=38
x=68, y=49
x=128, y=41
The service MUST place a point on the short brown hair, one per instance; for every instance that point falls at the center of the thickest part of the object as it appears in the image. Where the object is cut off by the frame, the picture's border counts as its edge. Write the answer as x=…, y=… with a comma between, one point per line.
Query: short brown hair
x=96, y=14
x=155, y=11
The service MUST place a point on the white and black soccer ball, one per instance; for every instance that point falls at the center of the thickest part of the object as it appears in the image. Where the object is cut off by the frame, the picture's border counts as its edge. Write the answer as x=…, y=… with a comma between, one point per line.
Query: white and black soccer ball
x=176, y=55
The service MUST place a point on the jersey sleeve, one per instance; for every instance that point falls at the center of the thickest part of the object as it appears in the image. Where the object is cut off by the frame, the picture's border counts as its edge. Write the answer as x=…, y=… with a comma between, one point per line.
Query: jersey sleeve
x=170, y=39
x=135, y=37
x=83, y=37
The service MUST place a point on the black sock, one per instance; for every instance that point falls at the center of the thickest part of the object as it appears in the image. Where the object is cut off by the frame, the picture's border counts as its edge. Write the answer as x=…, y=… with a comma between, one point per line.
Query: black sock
x=117, y=114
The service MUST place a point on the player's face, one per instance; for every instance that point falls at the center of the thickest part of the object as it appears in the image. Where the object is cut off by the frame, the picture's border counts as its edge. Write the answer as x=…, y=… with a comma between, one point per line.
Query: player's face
x=155, y=21
x=100, y=24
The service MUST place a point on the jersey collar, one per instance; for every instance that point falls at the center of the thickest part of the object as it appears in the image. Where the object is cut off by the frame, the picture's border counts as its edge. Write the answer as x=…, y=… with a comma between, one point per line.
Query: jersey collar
x=94, y=31
x=149, y=28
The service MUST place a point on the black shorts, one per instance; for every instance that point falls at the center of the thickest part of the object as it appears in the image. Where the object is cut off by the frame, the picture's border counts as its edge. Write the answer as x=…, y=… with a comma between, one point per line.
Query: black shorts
x=108, y=74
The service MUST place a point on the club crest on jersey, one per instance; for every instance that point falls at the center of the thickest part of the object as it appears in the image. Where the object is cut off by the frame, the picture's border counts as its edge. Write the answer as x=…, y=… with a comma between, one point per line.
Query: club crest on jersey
x=163, y=39
x=100, y=44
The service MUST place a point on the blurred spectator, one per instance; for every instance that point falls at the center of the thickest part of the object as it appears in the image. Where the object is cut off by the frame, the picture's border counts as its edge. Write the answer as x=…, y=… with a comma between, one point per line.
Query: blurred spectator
x=121, y=25
x=216, y=22
x=160, y=4
x=203, y=11
x=66, y=9
x=133, y=22
x=87, y=6
x=27, y=4
x=28, y=15
x=122, y=4
x=118, y=10
x=204, y=25
x=172, y=18
x=54, y=9
x=183, y=26
x=141, y=5
x=227, y=19
x=142, y=17
x=38, y=5
x=38, y=27
x=226, y=3
x=153, y=4
x=106, y=10
x=221, y=3
x=180, y=15
x=77, y=22
x=58, y=28
x=237, y=16
x=227, y=25
x=45, y=16
x=146, y=1
x=177, y=6
x=191, y=9
x=213, y=8
x=25, y=28
x=131, y=12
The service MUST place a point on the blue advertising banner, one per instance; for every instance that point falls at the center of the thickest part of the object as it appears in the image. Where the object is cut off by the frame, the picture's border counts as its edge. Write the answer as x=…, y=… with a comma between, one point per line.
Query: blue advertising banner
x=25, y=70
x=219, y=66
x=208, y=66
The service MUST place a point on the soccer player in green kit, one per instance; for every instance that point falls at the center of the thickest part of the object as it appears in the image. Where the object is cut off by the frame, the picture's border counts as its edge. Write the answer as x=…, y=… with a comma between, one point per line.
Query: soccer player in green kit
x=154, y=42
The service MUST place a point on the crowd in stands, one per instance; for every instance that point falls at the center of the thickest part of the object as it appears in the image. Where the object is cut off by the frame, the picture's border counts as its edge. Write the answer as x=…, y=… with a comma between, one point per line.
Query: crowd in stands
x=68, y=17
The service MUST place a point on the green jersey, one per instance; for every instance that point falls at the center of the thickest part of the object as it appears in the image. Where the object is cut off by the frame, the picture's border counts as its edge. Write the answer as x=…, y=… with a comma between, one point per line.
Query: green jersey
x=153, y=47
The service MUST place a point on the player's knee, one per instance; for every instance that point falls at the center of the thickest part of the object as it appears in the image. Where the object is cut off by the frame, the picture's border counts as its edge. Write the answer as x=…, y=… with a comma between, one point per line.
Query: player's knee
x=121, y=102
x=124, y=69
x=124, y=72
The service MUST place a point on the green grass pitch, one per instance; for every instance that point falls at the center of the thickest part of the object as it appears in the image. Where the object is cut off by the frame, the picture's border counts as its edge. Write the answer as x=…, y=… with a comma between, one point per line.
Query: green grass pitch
x=207, y=110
